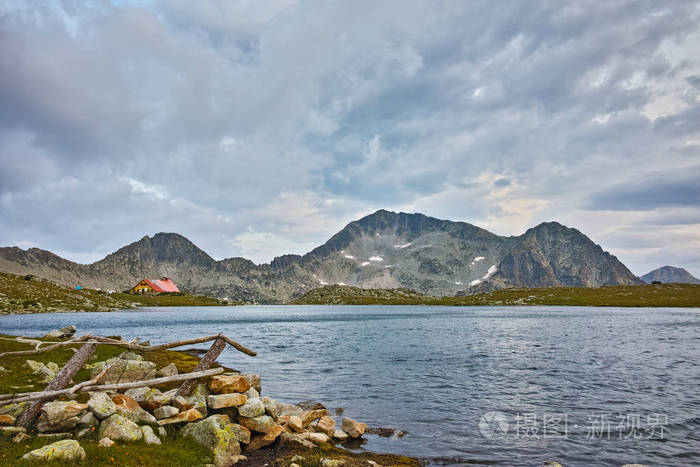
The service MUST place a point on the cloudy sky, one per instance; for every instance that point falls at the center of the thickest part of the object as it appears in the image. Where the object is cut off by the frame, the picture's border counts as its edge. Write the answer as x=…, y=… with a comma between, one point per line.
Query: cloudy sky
x=262, y=128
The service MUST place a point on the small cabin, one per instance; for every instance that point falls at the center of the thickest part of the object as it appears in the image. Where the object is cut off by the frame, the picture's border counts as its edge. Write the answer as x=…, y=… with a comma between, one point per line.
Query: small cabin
x=148, y=286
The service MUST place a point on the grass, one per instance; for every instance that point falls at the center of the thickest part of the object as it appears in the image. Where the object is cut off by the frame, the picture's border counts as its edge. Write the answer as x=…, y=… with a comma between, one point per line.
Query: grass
x=654, y=295
x=37, y=295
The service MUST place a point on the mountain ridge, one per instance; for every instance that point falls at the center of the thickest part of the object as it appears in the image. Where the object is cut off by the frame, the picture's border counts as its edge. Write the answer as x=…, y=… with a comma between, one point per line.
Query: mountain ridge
x=381, y=250
x=670, y=274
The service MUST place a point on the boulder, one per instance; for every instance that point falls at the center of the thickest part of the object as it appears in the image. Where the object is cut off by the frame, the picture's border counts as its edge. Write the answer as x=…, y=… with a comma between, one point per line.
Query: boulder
x=88, y=420
x=60, y=416
x=325, y=425
x=270, y=407
x=129, y=408
x=288, y=410
x=340, y=435
x=294, y=440
x=65, y=332
x=226, y=400
x=241, y=432
x=180, y=402
x=66, y=450
x=148, y=436
x=259, y=424
x=105, y=443
x=46, y=371
x=21, y=438
x=317, y=438
x=225, y=384
x=296, y=424
x=11, y=430
x=198, y=399
x=13, y=409
x=118, y=428
x=55, y=436
x=352, y=428
x=101, y=405
x=333, y=462
x=311, y=405
x=215, y=432
x=310, y=416
x=166, y=411
x=187, y=416
x=6, y=419
x=252, y=408
x=266, y=439
x=168, y=370
x=122, y=370
x=252, y=393
x=253, y=381
x=81, y=433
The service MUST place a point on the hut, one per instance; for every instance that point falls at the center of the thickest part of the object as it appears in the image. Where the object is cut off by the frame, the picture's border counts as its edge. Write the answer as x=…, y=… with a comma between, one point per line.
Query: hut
x=162, y=285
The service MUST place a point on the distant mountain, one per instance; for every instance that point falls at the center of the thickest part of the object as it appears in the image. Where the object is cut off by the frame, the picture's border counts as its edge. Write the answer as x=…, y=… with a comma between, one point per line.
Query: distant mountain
x=382, y=250
x=668, y=274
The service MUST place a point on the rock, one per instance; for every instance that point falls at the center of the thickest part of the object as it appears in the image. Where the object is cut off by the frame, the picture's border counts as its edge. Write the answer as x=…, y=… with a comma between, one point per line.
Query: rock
x=60, y=416
x=225, y=384
x=384, y=432
x=226, y=400
x=288, y=410
x=129, y=408
x=198, y=398
x=88, y=420
x=252, y=393
x=298, y=458
x=553, y=464
x=13, y=409
x=154, y=399
x=340, y=435
x=162, y=432
x=352, y=428
x=311, y=405
x=11, y=430
x=310, y=416
x=270, y=407
x=252, y=408
x=101, y=405
x=266, y=439
x=166, y=411
x=122, y=370
x=325, y=425
x=148, y=436
x=180, y=403
x=137, y=394
x=296, y=424
x=119, y=428
x=253, y=381
x=6, y=419
x=66, y=450
x=46, y=371
x=258, y=424
x=168, y=370
x=317, y=438
x=65, y=332
x=105, y=443
x=53, y=436
x=215, y=432
x=241, y=432
x=128, y=355
x=190, y=415
x=21, y=438
x=332, y=463
x=82, y=433
x=294, y=440
x=294, y=464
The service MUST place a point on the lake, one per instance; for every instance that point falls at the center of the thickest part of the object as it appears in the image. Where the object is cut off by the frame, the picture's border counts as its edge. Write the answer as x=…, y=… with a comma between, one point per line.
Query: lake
x=470, y=386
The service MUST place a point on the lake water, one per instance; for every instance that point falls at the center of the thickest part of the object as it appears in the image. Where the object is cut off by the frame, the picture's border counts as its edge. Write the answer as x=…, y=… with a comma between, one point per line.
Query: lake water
x=470, y=386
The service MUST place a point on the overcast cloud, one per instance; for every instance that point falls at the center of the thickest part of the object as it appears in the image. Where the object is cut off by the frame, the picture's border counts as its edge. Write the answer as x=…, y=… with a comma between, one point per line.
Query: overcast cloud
x=262, y=128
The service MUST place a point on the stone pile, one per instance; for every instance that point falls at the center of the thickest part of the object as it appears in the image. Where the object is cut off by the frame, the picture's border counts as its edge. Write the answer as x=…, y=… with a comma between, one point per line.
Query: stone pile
x=227, y=414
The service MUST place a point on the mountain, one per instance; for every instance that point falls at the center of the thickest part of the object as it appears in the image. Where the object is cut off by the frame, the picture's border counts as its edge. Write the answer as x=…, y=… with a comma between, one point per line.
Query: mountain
x=669, y=274
x=380, y=251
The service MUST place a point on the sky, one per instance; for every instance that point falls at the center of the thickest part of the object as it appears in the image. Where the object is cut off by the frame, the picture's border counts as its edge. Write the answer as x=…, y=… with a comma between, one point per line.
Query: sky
x=257, y=129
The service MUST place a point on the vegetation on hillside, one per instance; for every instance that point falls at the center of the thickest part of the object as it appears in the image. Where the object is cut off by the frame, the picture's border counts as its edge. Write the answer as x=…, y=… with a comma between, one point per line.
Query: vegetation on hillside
x=654, y=295
x=31, y=294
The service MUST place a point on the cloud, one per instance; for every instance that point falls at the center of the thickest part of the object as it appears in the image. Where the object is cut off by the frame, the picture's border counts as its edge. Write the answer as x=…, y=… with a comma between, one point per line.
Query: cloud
x=237, y=122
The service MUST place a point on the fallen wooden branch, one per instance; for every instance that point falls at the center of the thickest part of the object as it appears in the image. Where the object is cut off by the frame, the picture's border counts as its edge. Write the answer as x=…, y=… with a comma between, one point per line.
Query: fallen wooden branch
x=210, y=357
x=133, y=345
x=22, y=397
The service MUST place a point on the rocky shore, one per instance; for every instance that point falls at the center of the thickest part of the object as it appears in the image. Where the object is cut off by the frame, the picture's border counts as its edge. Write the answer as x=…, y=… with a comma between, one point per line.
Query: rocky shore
x=225, y=413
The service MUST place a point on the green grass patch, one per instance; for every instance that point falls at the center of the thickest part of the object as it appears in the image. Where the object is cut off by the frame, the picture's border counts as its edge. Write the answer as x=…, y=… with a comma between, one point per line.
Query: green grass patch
x=654, y=295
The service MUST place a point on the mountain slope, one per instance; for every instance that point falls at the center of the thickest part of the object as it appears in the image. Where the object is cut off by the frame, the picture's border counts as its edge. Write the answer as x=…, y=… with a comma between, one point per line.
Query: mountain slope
x=382, y=250
x=669, y=274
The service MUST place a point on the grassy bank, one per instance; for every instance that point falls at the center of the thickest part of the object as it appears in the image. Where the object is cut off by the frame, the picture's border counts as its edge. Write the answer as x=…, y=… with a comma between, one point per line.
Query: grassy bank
x=654, y=295
x=36, y=295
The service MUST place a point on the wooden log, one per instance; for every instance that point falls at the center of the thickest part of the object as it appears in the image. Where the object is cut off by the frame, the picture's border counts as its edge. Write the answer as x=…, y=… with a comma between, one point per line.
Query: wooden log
x=210, y=357
x=134, y=346
x=83, y=387
x=69, y=370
